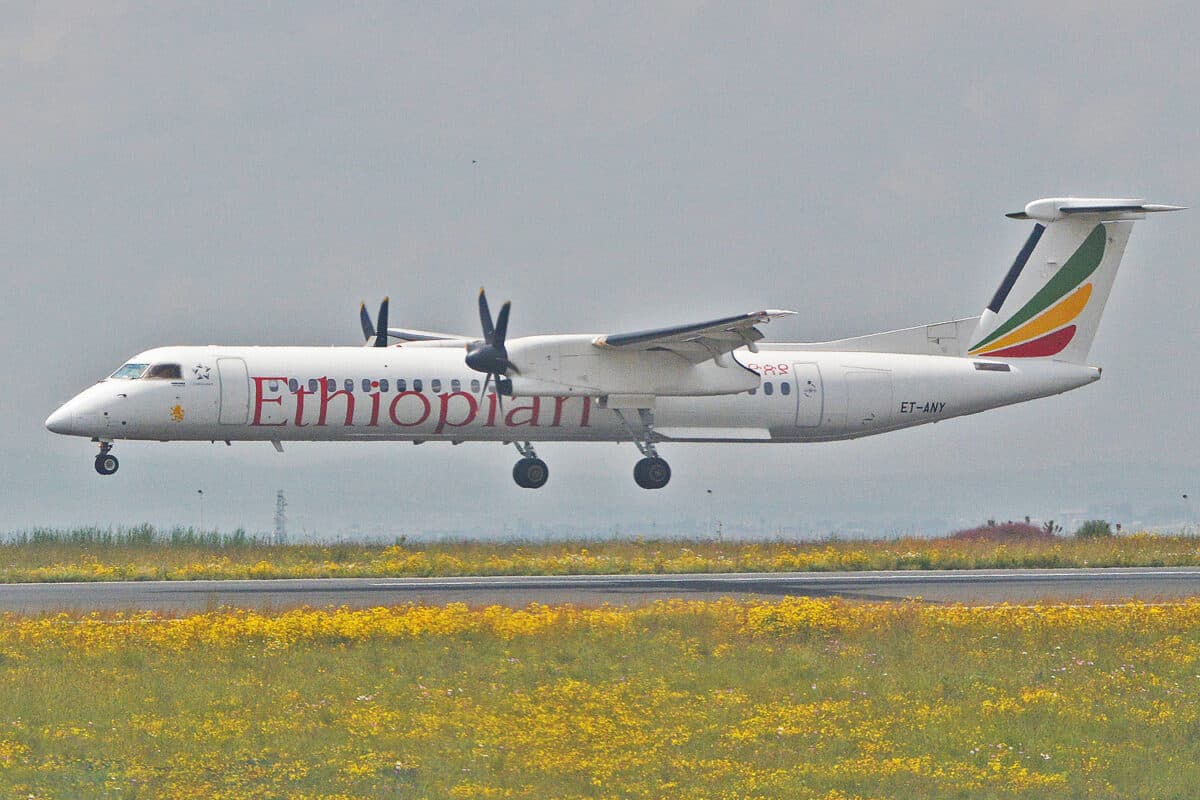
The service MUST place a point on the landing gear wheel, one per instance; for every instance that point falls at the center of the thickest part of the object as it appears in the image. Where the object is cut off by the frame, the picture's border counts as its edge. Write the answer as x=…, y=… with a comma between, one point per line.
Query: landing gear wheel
x=531, y=473
x=652, y=473
x=106, y=464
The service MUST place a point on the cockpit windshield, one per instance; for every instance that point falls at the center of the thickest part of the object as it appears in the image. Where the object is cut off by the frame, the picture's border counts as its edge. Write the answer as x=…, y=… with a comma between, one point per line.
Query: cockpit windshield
x=130, y=371
x=170, y=372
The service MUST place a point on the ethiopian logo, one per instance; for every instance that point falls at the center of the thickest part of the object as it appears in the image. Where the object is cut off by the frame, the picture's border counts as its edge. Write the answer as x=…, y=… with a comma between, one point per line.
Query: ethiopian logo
x=1042, y=326
x=202, y=372
x=177, y=413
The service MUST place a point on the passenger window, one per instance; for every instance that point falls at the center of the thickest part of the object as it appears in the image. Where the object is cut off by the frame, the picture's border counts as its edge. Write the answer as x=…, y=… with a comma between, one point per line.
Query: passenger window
x=168, y=372
x=349, y=384
x=129, y=372
x=417, y=385
x=312, y=385
x=474, y=386
x=401, y=385
x=366, y=384
x=383, y=384
x=768, y=388
x=294, y=385
x=330, y=385
x=436, y=385
x=785, y=388
x=456, y=385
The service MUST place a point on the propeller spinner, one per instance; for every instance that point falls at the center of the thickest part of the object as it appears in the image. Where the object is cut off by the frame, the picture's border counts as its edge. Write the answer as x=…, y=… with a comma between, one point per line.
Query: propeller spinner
x=374, y=337
x=489, y=355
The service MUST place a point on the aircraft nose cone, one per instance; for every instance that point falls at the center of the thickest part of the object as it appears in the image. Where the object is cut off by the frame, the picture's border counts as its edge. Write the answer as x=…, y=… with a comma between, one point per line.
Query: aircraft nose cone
x=62, y=420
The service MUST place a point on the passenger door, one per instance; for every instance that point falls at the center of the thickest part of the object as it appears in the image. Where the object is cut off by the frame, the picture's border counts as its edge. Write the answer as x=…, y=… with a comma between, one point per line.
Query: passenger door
x=810, y=395
x=235, y=391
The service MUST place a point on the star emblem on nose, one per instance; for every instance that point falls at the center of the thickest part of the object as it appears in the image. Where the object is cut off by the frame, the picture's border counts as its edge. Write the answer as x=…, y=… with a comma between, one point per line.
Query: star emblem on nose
x=202, y=372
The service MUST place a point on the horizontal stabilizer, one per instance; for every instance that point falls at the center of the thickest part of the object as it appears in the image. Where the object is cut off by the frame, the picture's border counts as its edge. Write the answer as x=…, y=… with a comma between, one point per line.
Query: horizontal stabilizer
x=1056, y=208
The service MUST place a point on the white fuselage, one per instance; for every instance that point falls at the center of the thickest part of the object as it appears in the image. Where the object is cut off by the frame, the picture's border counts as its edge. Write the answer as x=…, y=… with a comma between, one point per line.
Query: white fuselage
x=427, y=393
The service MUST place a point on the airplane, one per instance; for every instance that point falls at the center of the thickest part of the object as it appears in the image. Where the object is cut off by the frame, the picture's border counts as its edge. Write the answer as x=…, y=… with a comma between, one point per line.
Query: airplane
x=714, y=381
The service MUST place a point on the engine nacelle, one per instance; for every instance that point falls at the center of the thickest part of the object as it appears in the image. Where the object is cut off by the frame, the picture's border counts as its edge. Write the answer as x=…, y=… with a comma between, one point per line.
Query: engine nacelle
x=573, y=365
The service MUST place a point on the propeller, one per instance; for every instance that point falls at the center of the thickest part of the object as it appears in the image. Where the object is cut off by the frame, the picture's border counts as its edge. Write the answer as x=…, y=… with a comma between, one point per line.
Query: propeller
x=370, y=332
x=488, y=355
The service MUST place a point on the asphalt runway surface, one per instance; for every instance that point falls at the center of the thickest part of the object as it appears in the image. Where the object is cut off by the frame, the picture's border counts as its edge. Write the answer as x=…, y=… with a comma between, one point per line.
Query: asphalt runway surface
x=965, y=586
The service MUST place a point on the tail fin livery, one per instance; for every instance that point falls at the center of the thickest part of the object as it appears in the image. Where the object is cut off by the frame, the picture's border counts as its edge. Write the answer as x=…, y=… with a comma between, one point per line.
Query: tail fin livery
x=1049, y=304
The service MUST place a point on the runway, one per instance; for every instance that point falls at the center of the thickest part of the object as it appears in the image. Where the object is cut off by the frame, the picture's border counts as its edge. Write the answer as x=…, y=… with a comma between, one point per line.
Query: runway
x=965, y=586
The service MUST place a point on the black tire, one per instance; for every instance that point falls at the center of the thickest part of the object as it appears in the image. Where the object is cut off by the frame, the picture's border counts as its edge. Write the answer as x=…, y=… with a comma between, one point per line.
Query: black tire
x=639, y=473
x=531, y=473
x=536, y=473
x=652, y=473
x=107, y=464
x=519, y=474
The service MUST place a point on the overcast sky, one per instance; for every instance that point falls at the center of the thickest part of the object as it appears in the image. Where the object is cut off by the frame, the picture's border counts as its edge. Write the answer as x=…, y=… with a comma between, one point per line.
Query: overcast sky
x=246, y=173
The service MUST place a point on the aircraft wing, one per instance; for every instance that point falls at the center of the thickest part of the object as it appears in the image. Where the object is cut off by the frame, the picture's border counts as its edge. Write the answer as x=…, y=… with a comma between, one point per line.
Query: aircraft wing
x=414, y=335
x=699, y=341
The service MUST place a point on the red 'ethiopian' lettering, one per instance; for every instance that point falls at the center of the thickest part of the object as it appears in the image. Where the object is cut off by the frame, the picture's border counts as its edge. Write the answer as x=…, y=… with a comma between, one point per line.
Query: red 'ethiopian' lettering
x=392, y=411
x=531, y=418
x=259, y=401
x=469, y=417
x=561, y=401
x=300, y=393
x=374, y=410
x=327, y=395
x=455, y=409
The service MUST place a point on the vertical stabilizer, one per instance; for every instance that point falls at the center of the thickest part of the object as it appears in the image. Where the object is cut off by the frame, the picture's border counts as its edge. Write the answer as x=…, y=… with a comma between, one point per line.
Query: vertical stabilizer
x=1049, y=304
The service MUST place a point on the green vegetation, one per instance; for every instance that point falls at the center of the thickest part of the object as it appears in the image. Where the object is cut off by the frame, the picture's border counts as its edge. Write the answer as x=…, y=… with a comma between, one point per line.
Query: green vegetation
x=1093, y=529
x=799, y=698
x=142, y=553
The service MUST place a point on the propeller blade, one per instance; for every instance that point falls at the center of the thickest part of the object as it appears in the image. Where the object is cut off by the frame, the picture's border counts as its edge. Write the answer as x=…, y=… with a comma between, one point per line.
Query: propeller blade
x=501, y=325
x=365, y=318
x=489, y=355
x=381, y=338
x=483, y=394
x=485, y=317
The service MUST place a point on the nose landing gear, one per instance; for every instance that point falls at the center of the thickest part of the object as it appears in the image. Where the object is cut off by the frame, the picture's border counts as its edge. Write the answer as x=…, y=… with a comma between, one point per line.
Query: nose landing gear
x=530, y=472
x=106, y=463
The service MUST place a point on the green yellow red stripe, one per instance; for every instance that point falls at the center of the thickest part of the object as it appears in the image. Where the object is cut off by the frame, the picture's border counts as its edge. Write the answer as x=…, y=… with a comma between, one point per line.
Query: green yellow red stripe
x=1059, y=315
x=1049, y=345
x=1078, y=268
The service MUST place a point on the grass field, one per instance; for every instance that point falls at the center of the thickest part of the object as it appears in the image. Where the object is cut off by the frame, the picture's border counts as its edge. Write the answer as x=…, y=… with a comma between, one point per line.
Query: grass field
x=791, y=699
x=145, y=554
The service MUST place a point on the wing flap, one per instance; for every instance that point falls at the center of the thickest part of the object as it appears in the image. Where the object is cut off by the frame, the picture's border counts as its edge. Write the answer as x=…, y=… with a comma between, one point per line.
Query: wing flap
x=698, y=341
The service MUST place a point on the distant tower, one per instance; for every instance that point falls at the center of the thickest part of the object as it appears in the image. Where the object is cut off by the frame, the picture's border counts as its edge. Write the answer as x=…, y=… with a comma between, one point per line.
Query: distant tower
x=280, y=537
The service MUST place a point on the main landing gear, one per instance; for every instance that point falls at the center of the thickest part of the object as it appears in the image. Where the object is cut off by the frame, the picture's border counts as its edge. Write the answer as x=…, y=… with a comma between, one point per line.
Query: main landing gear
x=530, y=472
x=651, y=472
x=106, y=463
